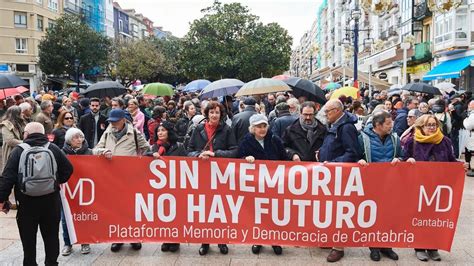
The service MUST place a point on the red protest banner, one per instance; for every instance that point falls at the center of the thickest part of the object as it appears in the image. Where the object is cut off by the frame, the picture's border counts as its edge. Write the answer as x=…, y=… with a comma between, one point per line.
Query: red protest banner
x=182, y=199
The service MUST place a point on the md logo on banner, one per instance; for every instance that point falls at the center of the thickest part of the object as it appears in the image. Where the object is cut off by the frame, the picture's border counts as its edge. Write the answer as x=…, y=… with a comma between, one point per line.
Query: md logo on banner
x=440, y=206
x=85, y=188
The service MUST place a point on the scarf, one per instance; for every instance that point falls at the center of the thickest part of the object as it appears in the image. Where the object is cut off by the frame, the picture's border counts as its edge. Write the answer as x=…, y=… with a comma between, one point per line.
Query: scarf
x=210, y=131
x=309, y=129
x=436, y=138
x=162, y=147
x=121, y=133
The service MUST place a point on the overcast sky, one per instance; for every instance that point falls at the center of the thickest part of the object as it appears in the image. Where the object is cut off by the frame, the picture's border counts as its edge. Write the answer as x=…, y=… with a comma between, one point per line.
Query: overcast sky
x=175, y=15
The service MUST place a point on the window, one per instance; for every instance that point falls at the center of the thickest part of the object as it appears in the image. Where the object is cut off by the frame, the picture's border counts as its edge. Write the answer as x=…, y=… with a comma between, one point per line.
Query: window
x=39, y=2
x=21, y=46
x=51, y=23
x=20, y=19
x=120, y=25
x=39, y=23
x=53, y=5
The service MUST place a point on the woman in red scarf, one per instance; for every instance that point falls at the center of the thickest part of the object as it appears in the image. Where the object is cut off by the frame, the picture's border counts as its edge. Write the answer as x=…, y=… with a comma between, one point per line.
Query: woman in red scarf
x=167, y=145
x=214, y=138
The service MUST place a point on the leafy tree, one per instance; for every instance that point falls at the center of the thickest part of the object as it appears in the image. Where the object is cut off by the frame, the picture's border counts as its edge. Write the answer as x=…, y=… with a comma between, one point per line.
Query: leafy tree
x=139, y=59
x=68, y=40
x=230, y=42
x=171, y=48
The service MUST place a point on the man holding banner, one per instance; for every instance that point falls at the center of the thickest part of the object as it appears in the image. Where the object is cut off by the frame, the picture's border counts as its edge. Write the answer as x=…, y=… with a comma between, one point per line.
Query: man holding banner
x=379, y=144
x=340, y=145
x=121, y=139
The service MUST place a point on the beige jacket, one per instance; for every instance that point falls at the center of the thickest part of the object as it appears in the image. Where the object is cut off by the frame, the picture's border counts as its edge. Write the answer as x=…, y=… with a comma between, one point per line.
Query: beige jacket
x=125, y=146
x=11, y=138
x=46, y=121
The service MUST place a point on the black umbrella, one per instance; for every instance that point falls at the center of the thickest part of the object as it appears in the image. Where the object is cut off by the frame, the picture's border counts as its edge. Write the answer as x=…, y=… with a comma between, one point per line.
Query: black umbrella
x=422, y=87
x=11, y=81
x=304, y=87
x=105, y=88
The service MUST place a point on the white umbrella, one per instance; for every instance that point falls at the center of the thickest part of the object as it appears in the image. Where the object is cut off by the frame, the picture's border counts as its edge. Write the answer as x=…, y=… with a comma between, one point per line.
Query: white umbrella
x=447, y=87
x=262, y=86
x=221, y=87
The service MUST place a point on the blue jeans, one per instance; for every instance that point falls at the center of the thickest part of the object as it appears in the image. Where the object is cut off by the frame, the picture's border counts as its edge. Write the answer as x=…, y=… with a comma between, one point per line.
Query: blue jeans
x=67, y=241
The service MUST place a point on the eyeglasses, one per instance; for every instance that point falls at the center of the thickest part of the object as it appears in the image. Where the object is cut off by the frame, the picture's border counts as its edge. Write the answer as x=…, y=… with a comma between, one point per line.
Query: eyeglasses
x=68, y=118
x=329, y=110
x=431, y=126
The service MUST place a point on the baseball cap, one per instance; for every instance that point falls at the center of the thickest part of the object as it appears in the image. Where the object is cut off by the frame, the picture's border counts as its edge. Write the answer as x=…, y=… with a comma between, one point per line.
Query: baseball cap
x=116, y=115
x=258, y=119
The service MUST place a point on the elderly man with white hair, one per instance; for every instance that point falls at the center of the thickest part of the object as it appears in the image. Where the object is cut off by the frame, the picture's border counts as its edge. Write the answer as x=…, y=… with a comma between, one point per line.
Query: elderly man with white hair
x=36, y=211
x=26, y=111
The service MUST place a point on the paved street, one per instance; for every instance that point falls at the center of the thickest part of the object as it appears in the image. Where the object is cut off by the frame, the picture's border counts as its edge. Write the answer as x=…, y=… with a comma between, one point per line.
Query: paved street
x=462, y=253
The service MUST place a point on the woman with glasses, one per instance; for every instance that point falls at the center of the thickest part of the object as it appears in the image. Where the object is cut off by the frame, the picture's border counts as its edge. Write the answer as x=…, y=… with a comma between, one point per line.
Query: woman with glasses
x=429, y=144
x=74, y=144
x=64, y=123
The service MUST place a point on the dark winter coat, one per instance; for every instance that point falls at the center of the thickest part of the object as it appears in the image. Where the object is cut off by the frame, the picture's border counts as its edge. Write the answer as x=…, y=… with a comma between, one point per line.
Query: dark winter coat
x=84, y=150
x=182, y=127
x=340, y=144
x=273, y=148
x=10, y=172
x=86, y=125
x=401, y=124
x=59, y=135
x=280, y=124
x=241, y=123
x=442, y=152
x=224, y=143
x=296, y=141
x=176, y=149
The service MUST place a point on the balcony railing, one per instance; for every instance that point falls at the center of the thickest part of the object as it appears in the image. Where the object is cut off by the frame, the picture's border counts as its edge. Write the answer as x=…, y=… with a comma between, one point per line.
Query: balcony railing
x=72, y=8
x=383, y=35
x=422, y=11
x=422, y=51
x=392, y=31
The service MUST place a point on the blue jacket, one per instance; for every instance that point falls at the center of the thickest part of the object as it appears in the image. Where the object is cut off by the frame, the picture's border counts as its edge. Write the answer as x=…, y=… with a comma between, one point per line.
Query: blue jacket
x=401, y=124
x=373, y=150
x=274, y=149
x=340, y=144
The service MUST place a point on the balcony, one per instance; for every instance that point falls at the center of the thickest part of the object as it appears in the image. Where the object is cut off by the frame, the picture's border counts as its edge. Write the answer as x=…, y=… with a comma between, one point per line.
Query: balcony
x=392, y=31
x=422, y=52
x=72, y=8
x=383, y=35
x=422, y=11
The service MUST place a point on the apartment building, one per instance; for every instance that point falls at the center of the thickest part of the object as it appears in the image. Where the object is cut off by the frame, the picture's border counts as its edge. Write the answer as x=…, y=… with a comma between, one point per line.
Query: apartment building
x=22, y=25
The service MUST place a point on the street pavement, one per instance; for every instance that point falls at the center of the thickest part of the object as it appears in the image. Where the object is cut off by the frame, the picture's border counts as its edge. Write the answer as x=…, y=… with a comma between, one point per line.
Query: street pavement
x=462, y=252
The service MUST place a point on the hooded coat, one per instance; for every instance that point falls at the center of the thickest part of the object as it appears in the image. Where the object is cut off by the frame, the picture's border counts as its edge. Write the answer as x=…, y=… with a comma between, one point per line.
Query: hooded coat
x=373, y=149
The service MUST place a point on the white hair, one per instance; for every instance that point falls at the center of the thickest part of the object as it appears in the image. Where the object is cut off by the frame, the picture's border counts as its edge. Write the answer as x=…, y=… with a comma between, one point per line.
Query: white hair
x=71, y=133
x=25, y=106
x=34, y=127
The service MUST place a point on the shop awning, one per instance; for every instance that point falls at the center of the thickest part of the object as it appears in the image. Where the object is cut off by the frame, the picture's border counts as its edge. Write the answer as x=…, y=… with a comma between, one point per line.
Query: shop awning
x=449, y=69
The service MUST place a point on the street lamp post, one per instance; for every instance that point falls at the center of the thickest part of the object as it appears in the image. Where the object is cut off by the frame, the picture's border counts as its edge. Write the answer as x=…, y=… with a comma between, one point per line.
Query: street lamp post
x=76, y=65
x=310, y=65
x=405, y=46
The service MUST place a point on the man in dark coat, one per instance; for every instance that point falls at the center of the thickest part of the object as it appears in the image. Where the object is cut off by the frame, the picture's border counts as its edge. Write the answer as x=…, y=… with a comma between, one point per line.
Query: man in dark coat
x=43, y=211
x=284, y=119
x=304, y=137
x=240, y=121
x=340, y=145
x=93, y=124
x=401, y=123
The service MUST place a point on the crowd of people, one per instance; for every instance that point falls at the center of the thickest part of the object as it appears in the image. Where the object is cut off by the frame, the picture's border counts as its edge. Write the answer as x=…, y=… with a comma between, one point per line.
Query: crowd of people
x=277, y=126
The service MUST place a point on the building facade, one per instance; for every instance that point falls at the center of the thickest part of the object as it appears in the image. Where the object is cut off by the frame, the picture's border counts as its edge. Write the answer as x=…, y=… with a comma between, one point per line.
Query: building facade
x=22, y=25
